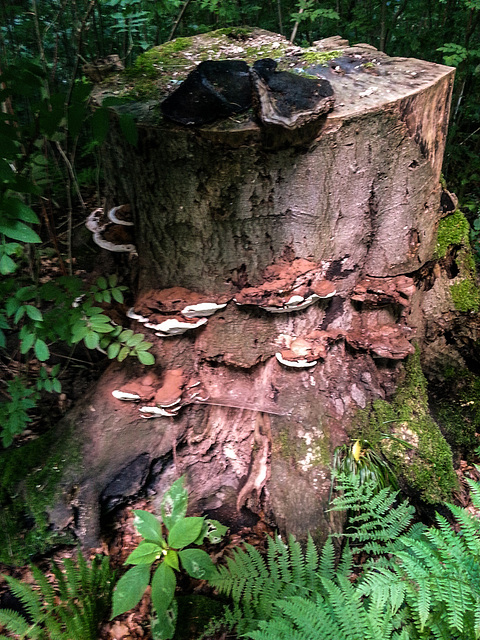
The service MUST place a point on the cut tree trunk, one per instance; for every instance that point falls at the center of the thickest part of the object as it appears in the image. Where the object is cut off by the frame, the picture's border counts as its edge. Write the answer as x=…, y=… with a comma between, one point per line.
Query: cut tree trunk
x=249, y=215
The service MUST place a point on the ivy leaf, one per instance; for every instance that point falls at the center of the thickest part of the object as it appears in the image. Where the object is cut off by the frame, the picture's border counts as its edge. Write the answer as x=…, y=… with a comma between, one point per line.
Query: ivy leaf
x=174, y=503
x=130, y=589
x=184, y=532
x=148, y=526
x=197, y=563
x=145, y=553
x=163, y=587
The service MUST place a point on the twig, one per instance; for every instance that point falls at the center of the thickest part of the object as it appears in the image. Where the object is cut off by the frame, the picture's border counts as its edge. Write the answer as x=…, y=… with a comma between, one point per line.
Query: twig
x=296, y=25
x=177, y=21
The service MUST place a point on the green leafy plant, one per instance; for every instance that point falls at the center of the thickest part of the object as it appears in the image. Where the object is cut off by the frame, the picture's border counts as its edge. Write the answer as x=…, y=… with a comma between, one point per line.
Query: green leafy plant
x=165, y=556
x=362, y=460
x=70, y=609
x=14, y=412
x=414, y=582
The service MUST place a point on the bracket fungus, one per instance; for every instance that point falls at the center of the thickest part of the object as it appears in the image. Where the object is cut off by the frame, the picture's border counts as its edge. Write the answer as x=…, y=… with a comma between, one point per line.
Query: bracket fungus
x=110, y=235
x=287, y=287
x=390, y=341
x=382, y=291
x=304, y=352
x=166, y=397
x=171, y=312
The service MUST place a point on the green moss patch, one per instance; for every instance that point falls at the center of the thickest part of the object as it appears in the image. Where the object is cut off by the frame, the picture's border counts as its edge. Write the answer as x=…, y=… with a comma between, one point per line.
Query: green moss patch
x=29, y=478
x=457, y=409
x=426, y=464
x=465, y=295
x=320, y=57
x=452, y=230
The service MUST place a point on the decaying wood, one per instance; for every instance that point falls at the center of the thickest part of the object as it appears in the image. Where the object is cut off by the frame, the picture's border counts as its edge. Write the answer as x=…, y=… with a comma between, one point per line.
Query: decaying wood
x=258, y=219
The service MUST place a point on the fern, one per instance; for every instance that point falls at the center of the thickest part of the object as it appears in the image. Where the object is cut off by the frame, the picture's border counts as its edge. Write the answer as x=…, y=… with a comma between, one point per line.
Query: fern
x=72, y=610
x=376, y=518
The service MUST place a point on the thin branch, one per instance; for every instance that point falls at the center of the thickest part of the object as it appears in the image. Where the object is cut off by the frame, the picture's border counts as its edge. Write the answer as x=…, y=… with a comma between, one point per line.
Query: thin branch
x=179, y=17
x=296, y=25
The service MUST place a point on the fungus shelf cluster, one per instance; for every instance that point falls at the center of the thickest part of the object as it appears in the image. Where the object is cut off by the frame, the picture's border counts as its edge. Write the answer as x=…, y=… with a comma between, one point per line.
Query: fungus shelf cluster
x=112, y=231
x=161, y=398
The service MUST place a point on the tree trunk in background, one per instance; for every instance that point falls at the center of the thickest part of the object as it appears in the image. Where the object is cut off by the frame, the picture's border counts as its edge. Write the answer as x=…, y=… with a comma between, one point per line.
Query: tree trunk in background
x=357, y=195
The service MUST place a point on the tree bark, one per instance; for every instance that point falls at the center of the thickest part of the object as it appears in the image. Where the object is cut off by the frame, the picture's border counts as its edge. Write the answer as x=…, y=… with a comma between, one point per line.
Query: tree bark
x=353, y=199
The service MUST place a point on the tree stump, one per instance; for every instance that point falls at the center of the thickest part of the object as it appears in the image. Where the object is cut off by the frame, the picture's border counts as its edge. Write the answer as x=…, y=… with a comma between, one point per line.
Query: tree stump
x=310, y=240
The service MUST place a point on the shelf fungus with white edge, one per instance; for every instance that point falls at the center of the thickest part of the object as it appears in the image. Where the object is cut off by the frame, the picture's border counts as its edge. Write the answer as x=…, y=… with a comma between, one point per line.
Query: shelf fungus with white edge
x=109, y=235
x=166, y=397
x=174, y=327
x=121, y=215
x=202, y=310
x=288, y=287
x=299, y=363
x=302, y=352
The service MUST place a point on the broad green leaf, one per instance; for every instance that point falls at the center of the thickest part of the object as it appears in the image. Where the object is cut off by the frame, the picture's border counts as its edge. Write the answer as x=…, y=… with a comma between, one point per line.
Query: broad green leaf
x=171, y=558
x=112, y=280
x=163, y=587
x=163, y=624
x=134, y=340
x=144, y=346
x=126, y=334
x=145, y=553
x=145, y=357
x=130, y=589
x=117, y=295
x=41, y=350
x=19, y=314
x=215, y=531
x=124, y=352
x=57, y=385
x=148, y=526
x=91, y=340
x=102, y=282
x=27, y=343
x=174, y=503
x=113, y=349
x=101, y=327
x=7, y=265
x=197, y=563
x=184, y=532
x=18, y=231
x=33, y=313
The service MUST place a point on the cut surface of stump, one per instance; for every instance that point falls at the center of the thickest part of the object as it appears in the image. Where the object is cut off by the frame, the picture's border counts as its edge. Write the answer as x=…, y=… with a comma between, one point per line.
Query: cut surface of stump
x=289, y=254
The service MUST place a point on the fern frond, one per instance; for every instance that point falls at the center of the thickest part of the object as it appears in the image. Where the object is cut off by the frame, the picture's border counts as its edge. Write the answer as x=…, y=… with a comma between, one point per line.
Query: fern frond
x=15, y=623
x=29, y=597
x=326, y=567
